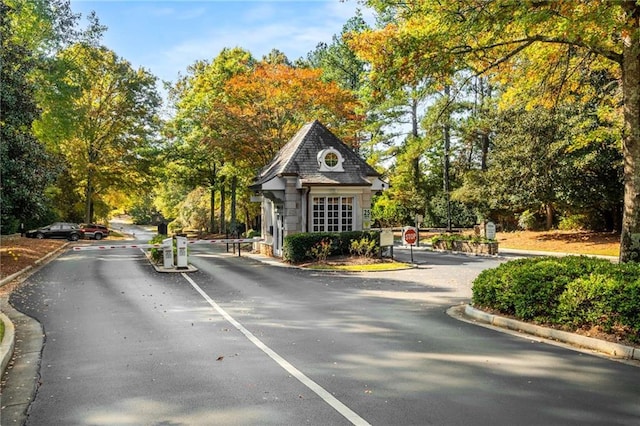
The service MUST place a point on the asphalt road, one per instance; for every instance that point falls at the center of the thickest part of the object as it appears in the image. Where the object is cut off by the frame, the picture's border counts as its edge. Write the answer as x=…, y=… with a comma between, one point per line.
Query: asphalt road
x=244, y=343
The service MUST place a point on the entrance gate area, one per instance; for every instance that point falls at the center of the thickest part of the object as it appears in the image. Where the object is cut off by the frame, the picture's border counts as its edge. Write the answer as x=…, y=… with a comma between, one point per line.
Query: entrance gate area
x=168, y=253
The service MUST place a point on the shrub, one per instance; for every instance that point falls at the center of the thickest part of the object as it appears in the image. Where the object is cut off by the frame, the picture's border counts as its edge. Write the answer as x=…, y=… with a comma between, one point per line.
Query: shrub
x=363, y=247
x=321, y=250
x=157, y=255
x=527, y=220
x=297, y=247
x=252, y=233
x=448, y=239
x=574, y=291
x=607, y=298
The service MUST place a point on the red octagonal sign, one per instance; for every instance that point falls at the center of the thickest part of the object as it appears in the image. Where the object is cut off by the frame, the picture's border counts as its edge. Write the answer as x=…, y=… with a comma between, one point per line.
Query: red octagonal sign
x=410, y=235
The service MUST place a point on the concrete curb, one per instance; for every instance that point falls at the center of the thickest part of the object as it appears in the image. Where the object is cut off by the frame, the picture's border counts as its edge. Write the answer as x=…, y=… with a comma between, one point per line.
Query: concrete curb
x=610, y=348
x=8, y=343
x=12, y=277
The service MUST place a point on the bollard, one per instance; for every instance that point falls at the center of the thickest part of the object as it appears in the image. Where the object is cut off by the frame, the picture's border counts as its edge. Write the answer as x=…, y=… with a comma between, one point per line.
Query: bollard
x=167, y=252
x=181, y=247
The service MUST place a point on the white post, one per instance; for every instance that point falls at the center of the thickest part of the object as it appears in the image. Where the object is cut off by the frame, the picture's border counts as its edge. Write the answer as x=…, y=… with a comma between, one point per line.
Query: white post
x=167, y=252
x=181, y=246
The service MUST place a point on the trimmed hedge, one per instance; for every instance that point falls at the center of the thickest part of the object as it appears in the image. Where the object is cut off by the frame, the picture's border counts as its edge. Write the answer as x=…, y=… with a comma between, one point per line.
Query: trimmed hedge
x=573, y=292
x=297, y=247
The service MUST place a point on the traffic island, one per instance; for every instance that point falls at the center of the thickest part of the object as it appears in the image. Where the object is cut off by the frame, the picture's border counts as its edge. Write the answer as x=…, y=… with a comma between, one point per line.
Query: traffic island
x=616, y=350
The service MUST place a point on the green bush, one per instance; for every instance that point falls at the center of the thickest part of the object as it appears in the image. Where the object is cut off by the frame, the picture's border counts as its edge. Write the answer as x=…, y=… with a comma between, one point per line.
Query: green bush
x=297, y=247
x=320, y=251
x=448, y=239
x=527, y=220
x=574, y=292
x=364, y=247
x=252, y=233
x=157, y=253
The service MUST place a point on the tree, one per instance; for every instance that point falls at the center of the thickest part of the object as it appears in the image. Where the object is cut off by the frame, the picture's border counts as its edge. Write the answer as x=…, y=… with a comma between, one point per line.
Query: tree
x=526, y=44
x=194, y=155
x=265, y=107
x=338, y=61
x=100, y=114
x=23, y=185
x=30, y=31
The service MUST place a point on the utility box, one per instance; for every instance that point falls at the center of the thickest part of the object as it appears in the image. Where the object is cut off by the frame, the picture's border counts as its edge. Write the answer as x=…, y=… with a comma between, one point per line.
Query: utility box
x=181, y=253
x=167, y=253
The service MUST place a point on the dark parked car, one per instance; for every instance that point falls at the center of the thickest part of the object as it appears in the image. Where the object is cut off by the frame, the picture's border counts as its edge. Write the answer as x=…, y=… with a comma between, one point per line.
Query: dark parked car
x=70, y=231
x=93, y=230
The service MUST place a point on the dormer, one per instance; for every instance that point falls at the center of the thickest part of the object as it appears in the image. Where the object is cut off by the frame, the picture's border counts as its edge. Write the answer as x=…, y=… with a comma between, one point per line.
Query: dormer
x=330, y=160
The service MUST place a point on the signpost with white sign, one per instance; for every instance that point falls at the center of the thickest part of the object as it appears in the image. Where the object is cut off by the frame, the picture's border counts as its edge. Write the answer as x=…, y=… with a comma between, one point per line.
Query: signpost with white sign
x=386, y=240
x=366, y=218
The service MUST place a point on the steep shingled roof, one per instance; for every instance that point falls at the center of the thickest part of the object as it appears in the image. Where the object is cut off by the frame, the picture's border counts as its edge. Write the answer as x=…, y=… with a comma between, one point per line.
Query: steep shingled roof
x=299, y=157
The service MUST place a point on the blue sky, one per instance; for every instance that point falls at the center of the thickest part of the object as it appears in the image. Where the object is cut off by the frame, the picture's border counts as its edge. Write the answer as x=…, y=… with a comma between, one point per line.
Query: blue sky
x=166, y=36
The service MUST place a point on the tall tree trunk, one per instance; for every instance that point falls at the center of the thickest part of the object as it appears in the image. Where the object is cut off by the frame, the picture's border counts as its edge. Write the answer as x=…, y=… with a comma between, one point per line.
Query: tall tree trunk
x=484, y=137
x=88, y=196
x=415, y=134
x=549, y=216
x=212, y=199
x=223, y=201
x=630, y=235
x=234, y=224
x=447, y=144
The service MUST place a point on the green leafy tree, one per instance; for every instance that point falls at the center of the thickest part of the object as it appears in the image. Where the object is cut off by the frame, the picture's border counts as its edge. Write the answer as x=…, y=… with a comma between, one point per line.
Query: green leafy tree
x=525, y=45
x=23, y=185
x=101, y=115
x=194, y=154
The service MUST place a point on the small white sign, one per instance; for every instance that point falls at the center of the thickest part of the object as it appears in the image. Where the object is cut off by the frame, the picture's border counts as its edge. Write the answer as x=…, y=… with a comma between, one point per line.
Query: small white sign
x=490, y=231
x=386, y=237
x=366, y=218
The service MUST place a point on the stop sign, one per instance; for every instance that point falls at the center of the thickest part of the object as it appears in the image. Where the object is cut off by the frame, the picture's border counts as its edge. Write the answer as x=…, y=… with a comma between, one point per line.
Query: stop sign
x=410, y=235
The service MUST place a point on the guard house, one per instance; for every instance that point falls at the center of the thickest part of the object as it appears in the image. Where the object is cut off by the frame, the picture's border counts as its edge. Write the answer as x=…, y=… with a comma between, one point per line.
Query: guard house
x=315, y=183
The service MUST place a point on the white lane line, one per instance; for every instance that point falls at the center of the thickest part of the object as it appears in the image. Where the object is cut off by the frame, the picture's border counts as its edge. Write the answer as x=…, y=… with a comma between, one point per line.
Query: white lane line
x=316, y=388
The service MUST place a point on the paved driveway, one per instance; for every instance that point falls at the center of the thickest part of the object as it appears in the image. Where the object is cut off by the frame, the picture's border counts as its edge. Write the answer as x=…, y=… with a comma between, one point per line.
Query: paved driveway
x=241, y=342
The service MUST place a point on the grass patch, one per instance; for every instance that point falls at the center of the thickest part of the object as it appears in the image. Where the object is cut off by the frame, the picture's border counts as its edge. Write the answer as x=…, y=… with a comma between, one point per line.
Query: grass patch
x=372, y=267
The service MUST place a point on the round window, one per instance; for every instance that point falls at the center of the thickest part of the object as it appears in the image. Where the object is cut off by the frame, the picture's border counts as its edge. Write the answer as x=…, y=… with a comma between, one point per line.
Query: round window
x=331, y=159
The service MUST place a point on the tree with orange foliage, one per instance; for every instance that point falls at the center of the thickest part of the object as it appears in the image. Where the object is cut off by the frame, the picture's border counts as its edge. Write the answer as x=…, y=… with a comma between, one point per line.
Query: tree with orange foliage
x=262, y=109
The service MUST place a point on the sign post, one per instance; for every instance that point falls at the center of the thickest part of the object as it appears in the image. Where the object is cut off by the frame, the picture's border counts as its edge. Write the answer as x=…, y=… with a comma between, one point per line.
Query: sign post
x=386, y=240
x=366, y=218
x=410, y=237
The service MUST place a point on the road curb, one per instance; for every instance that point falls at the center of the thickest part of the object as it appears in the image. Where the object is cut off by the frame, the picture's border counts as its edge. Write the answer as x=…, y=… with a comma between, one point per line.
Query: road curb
x=8, y=342
x=610, y=348
x=12, y=277
x=7, y=345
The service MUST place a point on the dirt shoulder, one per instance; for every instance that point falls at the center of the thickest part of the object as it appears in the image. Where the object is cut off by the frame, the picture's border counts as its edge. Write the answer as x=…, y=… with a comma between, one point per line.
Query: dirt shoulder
x=578, y=242
x=16, y=253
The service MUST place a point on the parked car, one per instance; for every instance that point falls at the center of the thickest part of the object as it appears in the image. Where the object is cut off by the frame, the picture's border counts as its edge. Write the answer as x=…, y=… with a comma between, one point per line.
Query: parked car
x=70, y=231
x=93, y=230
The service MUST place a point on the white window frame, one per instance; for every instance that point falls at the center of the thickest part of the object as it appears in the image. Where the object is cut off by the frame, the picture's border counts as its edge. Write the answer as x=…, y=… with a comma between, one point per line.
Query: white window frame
x=332, y=213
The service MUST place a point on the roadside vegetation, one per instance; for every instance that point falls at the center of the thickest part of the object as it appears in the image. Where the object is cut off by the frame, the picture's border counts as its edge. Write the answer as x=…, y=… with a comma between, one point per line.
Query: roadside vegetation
x=574, y=293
